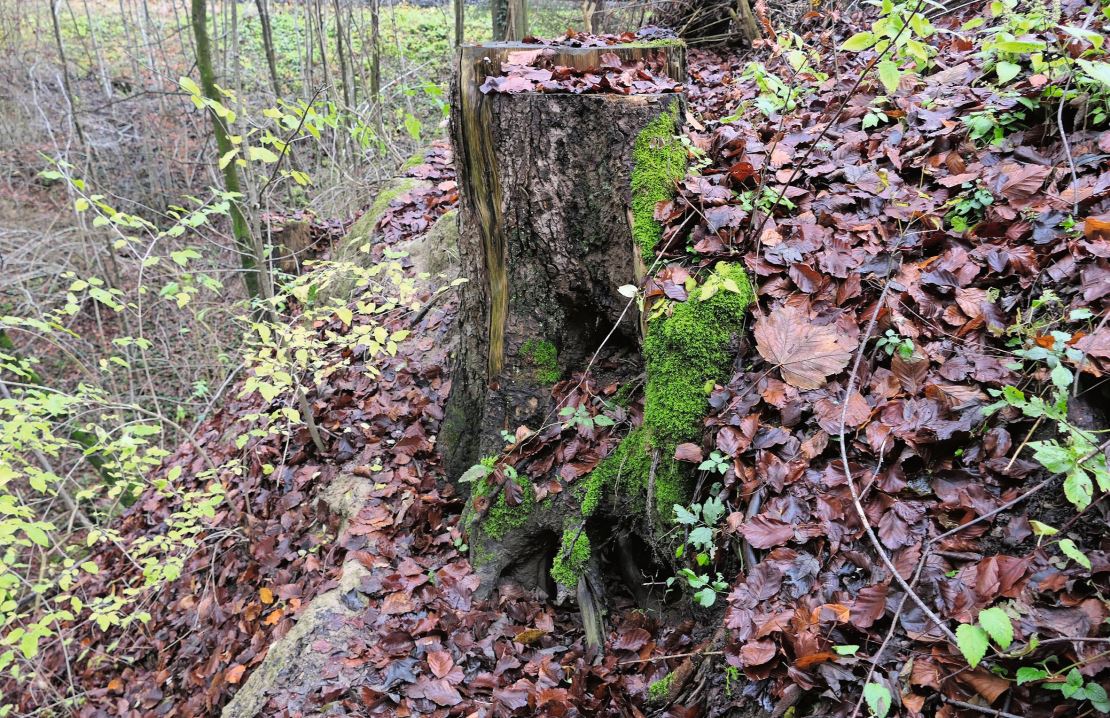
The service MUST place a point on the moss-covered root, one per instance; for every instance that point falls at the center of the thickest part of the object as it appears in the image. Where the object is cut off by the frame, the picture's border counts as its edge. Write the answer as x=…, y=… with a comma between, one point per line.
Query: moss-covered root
x=573, y=555
x=686, y=352
x=659, y=162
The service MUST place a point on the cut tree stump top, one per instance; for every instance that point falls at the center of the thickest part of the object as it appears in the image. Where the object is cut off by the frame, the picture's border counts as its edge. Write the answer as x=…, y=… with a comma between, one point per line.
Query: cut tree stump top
x=477, y=62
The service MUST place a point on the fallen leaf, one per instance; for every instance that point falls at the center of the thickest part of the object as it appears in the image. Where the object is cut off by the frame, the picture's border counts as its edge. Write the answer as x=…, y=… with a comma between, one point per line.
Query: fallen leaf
x=234, y=674
x=806, y=353
x=688, y=452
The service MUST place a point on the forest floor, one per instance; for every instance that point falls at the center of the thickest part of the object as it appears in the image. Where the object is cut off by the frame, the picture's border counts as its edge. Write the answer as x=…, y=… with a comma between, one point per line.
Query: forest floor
x=925, y=245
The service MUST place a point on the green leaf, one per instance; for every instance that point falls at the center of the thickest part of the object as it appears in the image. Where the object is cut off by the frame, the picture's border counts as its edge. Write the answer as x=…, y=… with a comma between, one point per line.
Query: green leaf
x=1099, y=71
x=1006, y=71
x=1020, y=46
x=1072, y=551
x=228, y=156
x=859, y=42
x=261, y=154
x=889, y=75
x=1096, y=694
x=846, y=650
x=683, y=516
x=90, y=567
x=478, y=471
x=36, y=534
x=972, y=642
x=1026, y=674
x=1052, y=456
x=1078, y=488
x=189, y=86
x=702, y=537
x=345, y=315
x=878, y=699
x=706, y=597
x=995, y=622
x=1061, y=376
x=602, y=420
x=29, y=644
x=1041, y=529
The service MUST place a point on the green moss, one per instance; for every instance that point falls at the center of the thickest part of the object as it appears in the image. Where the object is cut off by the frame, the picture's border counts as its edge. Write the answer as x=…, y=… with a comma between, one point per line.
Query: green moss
x=664, y=42
x=660, y=689
x=685, y=352
x=502, y=518
x=545, y=357
x=363, y=228
x=574, y=553
x=689, y=349
x=659, y=161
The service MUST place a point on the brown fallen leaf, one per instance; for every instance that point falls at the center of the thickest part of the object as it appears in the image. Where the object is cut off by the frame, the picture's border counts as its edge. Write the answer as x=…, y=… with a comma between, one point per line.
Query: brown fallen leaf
x=805, y=353
x=235, y=673
x=688, y=452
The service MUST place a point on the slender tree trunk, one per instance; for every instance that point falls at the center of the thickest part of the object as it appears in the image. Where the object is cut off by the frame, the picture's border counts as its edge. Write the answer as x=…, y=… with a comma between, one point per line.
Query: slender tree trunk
x=375, y=51
x=460, y=21
x=340, y=55
x=65, y=72
x=239, y=228
x=268, y=44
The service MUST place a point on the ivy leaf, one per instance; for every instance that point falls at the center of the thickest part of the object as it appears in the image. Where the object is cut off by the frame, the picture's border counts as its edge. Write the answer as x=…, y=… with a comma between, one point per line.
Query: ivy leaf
x=878, y=699
x=1006, y=71
x=859, y=42
x=889, y=75
x=995, y=622
x=972, y=642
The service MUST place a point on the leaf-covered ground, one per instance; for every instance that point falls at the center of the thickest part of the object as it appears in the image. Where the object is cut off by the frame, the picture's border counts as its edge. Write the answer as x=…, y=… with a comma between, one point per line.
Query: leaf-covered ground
x=891, y=274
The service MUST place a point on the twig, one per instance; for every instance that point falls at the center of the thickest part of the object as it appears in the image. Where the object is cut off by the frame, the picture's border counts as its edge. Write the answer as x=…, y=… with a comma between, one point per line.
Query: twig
x=675, y=655
x=979, y=519
x=981, y=709
x=851, y=482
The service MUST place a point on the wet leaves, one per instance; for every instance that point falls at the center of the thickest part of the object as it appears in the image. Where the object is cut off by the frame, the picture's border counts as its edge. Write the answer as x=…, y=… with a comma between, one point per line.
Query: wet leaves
x=806, y=353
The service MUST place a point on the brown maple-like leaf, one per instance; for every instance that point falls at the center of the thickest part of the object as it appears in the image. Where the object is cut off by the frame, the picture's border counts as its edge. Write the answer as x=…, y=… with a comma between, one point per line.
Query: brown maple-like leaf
x=806, y=353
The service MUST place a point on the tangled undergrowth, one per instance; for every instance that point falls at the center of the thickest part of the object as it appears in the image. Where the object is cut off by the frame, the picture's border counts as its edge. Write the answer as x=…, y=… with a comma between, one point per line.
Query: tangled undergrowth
x=910, y=447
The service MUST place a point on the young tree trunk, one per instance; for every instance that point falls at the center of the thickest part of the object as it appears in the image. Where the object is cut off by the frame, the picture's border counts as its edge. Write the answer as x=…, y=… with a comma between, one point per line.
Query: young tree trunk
x=268, y=44
x=510, y=19
x=240, y=230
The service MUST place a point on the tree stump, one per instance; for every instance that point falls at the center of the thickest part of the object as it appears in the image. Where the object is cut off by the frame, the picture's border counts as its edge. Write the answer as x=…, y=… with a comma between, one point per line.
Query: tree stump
x=548, y=216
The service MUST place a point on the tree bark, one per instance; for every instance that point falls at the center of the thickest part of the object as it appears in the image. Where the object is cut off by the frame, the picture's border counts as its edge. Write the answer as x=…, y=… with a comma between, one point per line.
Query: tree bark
x=546, y=240
x=268, y=44
x=240, y=230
